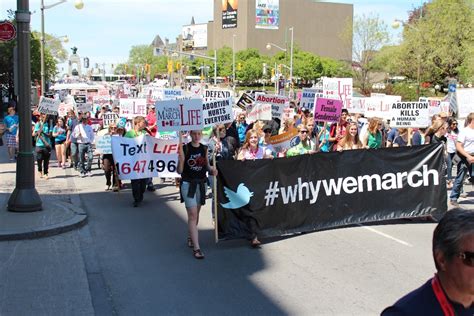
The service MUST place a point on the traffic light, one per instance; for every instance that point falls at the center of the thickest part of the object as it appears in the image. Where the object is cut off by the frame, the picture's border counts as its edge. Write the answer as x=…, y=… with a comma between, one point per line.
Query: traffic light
x=279, y=68
x=178, y=65
x=273, y=72
x=147, y=68
x=170, y=66
x=86, y=62
x=126, y=67
x=239, y=66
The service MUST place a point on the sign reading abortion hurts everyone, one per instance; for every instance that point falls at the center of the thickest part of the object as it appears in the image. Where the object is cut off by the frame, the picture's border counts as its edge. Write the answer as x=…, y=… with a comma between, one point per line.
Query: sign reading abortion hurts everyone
x=327, y=110
x=410, y=114
x=217, y=112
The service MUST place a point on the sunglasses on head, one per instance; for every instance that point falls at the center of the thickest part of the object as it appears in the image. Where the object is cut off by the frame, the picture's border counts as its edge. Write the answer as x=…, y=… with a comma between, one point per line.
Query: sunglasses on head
x=467, y=258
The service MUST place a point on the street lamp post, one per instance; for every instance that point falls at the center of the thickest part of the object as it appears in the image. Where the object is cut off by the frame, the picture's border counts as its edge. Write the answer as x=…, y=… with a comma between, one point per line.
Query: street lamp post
x=24, y=198
x=79, y=4
x=269, y=47
x=233, y=62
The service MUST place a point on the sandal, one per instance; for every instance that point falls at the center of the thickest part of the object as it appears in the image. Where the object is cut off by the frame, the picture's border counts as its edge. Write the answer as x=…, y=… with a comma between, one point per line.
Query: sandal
x=197, y=253
x=190, y=242
x=255, y=243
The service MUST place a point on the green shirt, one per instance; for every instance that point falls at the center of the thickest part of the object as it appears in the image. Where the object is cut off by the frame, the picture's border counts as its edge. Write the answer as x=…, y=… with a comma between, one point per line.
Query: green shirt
x=132, y=133
x=299, y=149
x=375, y=141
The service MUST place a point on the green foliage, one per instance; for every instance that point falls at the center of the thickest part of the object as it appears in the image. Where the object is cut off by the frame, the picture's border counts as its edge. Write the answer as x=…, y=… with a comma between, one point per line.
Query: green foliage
x=408, y=91
x=440, y=42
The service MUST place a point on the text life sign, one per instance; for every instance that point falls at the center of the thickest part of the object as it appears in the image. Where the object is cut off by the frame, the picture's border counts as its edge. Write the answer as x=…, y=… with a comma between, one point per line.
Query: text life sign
x=130, y=108
x=179, y=115
x=338, y=89
x=327, y=110
x=145, y=157
x=48, y=106
x=217, y=112
x=410, y=114
x=277, y=102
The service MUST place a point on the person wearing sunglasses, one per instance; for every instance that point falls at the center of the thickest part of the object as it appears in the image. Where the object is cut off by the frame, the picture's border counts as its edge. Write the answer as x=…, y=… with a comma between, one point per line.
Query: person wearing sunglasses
x=305, y=146
x=451, y=290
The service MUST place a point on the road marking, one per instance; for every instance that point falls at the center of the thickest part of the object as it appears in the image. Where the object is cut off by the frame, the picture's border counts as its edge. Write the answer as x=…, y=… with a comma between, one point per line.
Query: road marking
x=387, y=236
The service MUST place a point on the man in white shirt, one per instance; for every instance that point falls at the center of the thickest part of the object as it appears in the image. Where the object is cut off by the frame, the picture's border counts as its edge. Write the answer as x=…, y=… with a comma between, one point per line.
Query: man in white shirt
x=85, y=137
x=465, y=149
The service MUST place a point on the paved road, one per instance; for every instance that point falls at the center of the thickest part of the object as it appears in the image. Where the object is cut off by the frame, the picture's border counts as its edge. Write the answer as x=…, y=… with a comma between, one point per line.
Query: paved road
x=135, y=261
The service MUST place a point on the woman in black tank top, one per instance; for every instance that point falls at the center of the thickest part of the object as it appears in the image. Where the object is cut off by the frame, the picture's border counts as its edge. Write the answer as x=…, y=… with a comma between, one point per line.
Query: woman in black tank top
x=193, y=165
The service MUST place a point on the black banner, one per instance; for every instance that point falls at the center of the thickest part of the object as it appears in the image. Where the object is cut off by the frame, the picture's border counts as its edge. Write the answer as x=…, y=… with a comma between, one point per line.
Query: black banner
x=326, y=190
x=229, y=13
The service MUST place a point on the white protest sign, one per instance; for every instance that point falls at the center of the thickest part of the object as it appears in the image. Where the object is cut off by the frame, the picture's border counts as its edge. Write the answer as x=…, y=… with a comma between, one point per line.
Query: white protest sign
x=103, y=144
x=410, y=114
x=171, y=94
x=444, y=106
x=465, y=101
x=214, y=94
x=259, y=111
x=145, y=157
x=358, y=105
x=277, y=102
x=380, y=106
x=100, y=100
x=130, y=108
x=217, y=112
x=108, y=118
x=63, y=108
x=308, y=97
x=48, y=106
x=81, y=104
x=338, y=89
x=179, y=115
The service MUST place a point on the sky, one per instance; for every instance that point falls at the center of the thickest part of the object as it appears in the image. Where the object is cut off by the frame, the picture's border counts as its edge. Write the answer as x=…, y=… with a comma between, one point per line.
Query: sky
x=105, y=30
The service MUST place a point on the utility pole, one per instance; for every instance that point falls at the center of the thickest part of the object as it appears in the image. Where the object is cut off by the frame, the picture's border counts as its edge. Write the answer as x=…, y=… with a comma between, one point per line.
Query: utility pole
x=24, y=198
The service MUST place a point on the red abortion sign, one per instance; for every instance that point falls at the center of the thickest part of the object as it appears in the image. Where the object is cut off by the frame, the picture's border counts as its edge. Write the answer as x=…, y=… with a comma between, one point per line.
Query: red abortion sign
x=7, y=31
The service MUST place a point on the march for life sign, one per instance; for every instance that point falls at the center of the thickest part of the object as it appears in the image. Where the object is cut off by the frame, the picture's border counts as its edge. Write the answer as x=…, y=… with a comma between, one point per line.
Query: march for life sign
x=130, y=108
x=171, y=94
x=217, y=112
x=259, y=111
x=339, y=89
x=327, y=110
x=145, y=157
x=108, y=118
x=214, y=94
x=179, y=115
x=48, y=106
x=379, y=106
x=410, y=114
x=103, y=144
x=308, y=97
x=277, y=102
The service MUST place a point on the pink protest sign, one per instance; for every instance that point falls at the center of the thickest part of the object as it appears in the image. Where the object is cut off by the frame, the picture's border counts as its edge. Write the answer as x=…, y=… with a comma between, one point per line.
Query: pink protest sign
x=327, y=110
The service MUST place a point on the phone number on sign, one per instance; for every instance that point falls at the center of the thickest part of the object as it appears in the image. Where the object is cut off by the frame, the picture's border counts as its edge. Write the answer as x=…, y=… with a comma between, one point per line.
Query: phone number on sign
x=142, y=166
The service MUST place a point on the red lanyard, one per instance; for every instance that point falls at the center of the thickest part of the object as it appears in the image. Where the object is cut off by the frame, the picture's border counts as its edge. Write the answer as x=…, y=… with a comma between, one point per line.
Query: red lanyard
x=441, y=297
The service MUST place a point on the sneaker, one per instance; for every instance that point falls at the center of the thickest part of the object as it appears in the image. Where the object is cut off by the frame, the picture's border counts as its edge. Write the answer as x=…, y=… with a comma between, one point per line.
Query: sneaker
x=89, y=174
x=463, y=195
x=45, y=177
x=107, y=187
x=454, y=203
x=151, y=188
x=64, y=167
x=115, y=188
x=40, y=174
x=83, y=175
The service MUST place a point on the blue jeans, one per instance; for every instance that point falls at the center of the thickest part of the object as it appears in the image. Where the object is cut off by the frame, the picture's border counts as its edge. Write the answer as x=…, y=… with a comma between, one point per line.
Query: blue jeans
x=74, y=152
x=463, y=169
x=85, y=157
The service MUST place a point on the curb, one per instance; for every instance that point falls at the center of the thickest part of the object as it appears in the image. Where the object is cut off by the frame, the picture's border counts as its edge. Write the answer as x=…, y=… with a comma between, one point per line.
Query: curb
x=78, y=219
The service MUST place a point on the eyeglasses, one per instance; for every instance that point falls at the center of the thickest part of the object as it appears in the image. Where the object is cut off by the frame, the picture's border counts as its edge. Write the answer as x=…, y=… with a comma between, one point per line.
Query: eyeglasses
x=467, y=258
x=303, y=132
x=454, y=123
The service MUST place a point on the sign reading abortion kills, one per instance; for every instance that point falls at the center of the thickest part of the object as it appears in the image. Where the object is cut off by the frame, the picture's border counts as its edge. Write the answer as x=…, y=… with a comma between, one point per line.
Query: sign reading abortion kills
x=410, y=114
x=314, y=192
x=217, y=112
x=179, y=115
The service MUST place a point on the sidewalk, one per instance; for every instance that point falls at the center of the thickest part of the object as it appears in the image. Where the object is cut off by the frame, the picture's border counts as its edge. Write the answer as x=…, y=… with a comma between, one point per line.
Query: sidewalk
x=43, y=276
x=61, y=207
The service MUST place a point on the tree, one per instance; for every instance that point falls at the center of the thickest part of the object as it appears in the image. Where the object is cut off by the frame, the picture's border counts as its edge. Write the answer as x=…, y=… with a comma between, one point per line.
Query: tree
x=369, y=34
x=439, y=44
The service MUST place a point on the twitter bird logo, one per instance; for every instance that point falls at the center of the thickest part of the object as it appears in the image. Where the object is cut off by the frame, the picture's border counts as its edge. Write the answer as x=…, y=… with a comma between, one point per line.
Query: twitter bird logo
x=237, y=199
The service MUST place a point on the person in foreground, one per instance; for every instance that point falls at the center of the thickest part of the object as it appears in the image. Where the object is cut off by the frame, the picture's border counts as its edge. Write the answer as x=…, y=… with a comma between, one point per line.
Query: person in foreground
x=193, y=164
x=451, y=290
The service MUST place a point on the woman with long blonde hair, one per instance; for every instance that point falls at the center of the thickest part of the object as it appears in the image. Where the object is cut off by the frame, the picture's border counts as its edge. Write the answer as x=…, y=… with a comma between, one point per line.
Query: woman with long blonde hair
x=351, y=138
